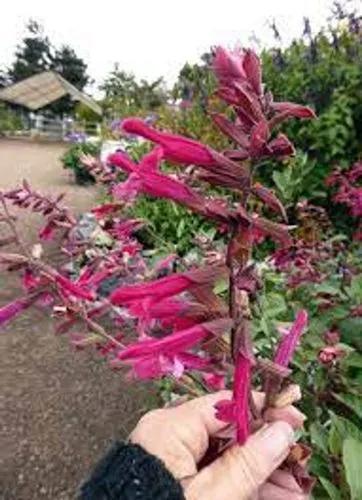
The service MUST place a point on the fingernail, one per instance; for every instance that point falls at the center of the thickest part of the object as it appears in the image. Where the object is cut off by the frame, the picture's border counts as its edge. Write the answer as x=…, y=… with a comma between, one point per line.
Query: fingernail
x=276, y=439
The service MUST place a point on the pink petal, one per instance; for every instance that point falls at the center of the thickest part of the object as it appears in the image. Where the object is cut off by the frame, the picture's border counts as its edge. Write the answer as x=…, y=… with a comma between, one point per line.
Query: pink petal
x=292, y=109
x=11, y=310
x=269, y=198
x=176, y=148
x=227, y=65
x=252, y=68
x=226, y=411
x=175, y=342
x=215, y=381
x=288, y=343
x=128, y=190
x=73, y=288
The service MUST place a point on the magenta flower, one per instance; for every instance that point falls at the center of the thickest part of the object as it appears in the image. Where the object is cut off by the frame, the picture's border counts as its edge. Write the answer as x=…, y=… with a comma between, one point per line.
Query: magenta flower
x=214, y=381
x=237, y=410
x=228, y=65
x=278, y=232
x=269, y=198
x=106, y=209
x=166, y=287
x=176, y=148
x=281, y=146
x=153, y=367
x=125, y=228
x=288, y=343
x=69, y=287
x=178, y=341
x=145, y=178
x=290, y=109
x=241, y=66
x=252, y=68
x=11, y=310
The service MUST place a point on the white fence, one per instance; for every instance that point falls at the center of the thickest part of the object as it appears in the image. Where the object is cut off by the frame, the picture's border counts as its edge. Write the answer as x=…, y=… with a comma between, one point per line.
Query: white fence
x=42, y=127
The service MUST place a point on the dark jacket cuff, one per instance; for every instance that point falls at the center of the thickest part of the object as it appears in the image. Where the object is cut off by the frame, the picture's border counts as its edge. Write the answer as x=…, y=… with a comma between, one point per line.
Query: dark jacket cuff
x=128, y=472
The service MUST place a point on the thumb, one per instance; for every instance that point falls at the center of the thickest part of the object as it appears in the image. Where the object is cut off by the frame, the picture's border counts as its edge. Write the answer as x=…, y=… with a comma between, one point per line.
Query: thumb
x=241, y=470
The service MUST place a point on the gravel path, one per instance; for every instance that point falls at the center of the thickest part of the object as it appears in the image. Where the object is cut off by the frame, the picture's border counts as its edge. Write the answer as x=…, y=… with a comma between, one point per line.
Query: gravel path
x=59, y=409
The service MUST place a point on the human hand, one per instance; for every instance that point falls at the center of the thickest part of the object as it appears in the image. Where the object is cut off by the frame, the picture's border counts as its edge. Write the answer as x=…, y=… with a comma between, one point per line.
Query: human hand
x=179, y=436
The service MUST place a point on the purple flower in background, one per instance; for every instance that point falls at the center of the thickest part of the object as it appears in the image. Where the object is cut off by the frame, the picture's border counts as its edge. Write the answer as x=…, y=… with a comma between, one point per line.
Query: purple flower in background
x=77, y=137
x=115, y=124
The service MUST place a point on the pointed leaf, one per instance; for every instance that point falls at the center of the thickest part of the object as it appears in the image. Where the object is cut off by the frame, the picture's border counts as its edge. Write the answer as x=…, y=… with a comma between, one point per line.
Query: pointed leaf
x=351, y=401
x=319, y=436
x=269, y=198
x=352, y=453
x=332, y=491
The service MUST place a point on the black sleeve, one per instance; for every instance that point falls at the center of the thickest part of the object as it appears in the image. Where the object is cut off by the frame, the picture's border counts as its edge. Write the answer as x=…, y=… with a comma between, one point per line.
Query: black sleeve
x=128, y=472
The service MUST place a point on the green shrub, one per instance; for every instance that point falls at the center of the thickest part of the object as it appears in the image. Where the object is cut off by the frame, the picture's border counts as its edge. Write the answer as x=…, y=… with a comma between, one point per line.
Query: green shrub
x=9, y=120
x=71, y=160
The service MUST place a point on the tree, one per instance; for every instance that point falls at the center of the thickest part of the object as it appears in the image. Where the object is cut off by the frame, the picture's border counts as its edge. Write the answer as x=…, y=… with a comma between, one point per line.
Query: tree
x=33, y=56
x=124, y=95
x=36, y=54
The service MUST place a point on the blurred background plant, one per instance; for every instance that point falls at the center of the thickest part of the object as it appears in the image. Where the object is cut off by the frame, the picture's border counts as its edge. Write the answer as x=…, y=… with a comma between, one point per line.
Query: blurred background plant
x=71, y=158
x=322, y=68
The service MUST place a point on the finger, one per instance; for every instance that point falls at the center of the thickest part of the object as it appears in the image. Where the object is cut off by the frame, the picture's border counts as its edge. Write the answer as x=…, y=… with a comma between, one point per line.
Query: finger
x=187, y=428
x=270, y=491
x=241, y=470
x=285, y=480
x=201, y=411
x=289, y=414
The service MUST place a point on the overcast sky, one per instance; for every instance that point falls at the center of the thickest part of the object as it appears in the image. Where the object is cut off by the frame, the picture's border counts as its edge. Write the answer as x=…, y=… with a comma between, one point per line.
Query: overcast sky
x=153, y=37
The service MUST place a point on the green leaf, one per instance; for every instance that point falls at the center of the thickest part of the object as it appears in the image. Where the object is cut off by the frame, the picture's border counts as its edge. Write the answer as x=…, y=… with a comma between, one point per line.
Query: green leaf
x=326, y=288
x=356, y=287
x=351, y=330
x=332, y=491
x=340, y=429
x=352, y=401
x=274, y=305
x=221, y=286
x=180, y=228
x=352, y=453
x=353, y=359
x=319, y=437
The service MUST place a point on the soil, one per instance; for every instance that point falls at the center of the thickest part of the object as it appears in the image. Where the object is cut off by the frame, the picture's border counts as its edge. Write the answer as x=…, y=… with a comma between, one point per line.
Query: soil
x=60, y=409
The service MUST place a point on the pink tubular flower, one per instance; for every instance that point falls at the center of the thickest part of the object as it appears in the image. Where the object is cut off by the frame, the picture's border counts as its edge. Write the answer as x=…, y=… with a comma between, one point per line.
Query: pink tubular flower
x=278, y=232
x=72, y=288
x=11, y=310
x=178, y=341
x=105, y=209
x=237, y=410
x=176, y=148
x=153, y=367
x=291, y=109
x=228, y=65
x=269, y=198
x=146, y=178
x=168, y=286
x=288, y=343
x=185, y=151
